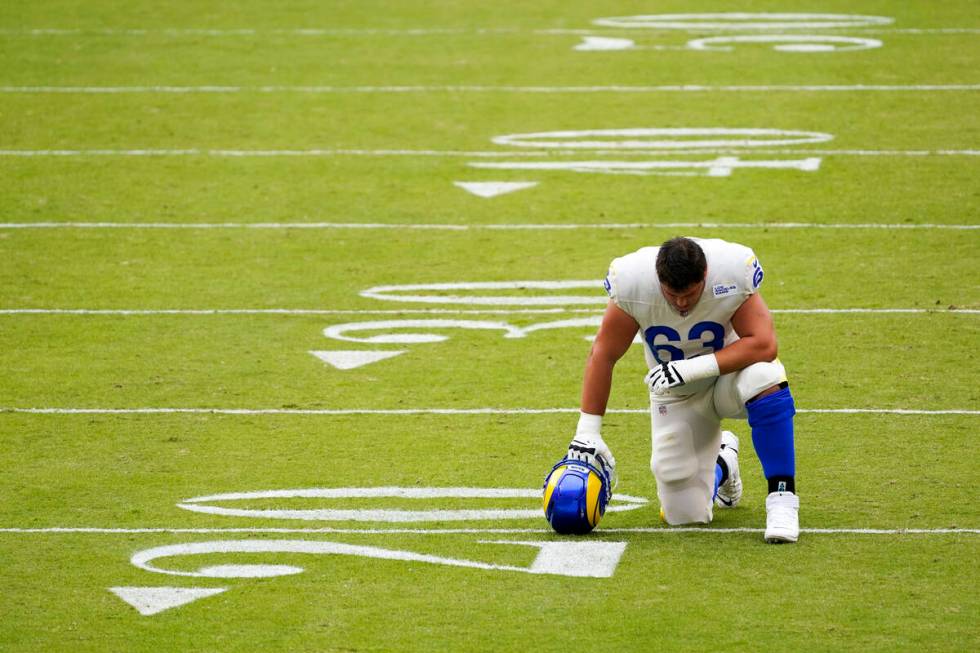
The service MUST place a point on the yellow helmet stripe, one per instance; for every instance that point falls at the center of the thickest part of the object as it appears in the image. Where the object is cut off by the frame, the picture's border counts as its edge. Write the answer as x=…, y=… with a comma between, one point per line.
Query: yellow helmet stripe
x=550, y=487
x=592, y=498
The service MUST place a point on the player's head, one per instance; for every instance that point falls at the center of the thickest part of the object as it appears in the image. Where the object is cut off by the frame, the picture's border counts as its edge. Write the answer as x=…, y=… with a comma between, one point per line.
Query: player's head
x=681, y=268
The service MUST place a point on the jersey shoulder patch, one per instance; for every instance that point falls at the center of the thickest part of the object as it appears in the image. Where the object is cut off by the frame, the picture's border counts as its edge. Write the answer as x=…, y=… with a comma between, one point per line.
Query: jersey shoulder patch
x=733, y=269
x=722, y=289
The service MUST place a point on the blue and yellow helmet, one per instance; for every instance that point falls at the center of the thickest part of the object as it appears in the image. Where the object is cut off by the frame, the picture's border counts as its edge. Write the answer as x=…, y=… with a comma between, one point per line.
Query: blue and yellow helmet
x=575, y=496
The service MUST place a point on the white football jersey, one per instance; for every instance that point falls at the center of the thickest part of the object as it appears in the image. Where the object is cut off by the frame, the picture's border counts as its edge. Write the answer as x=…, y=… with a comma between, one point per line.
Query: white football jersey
x=733, y=275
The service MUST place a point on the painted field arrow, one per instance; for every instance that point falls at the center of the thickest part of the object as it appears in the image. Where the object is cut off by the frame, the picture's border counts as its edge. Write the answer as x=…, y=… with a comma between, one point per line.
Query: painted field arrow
x=493, y=188
x=348, y=360
x=604, y=44
x=151, y=600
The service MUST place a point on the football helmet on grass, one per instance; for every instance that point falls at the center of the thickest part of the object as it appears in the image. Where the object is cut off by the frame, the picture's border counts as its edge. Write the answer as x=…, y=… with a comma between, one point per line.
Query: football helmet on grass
x=575, y=496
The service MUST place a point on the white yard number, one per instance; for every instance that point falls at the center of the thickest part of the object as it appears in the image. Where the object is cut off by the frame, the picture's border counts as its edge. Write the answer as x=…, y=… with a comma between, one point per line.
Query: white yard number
x=787, y=43
x=742, y=22
x=412, y=331
x=434, y=293
x=217, y=504
x=391, y=332
x=659, y=138
x=580, y=559
x=727, y=141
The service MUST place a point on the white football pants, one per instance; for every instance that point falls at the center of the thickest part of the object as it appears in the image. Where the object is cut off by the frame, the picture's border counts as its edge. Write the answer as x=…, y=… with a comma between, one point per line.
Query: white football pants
x=686, y=427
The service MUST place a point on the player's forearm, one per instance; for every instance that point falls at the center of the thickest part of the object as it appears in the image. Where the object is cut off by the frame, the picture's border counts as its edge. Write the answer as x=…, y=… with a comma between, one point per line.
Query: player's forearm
x=744, y=352
x=732, y=358
x=597, y=383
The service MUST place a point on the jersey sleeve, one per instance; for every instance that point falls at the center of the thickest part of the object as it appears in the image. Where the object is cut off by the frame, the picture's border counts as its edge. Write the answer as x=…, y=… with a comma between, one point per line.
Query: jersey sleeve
x=624, y=283
x=617, y=285
x=611, y=284
x=753, y=273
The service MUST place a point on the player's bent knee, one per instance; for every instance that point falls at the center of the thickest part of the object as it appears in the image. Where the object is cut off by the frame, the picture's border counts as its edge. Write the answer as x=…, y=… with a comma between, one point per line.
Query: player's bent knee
x=684, y=504
x=758, y=378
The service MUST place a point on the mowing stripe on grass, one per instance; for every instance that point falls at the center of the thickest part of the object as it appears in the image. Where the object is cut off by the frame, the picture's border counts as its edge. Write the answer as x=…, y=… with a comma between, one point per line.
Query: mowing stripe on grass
x=673, y=88
x=432, y=411
x=484, y=227
x=467, y=531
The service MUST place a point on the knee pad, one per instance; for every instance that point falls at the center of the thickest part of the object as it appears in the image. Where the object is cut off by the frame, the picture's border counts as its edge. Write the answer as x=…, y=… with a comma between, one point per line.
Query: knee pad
x=757, y=377
x=733, y=390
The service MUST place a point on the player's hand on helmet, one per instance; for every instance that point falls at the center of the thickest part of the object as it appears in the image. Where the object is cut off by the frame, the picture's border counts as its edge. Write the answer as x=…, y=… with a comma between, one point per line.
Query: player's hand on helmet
x=591, y=449
x=671, y=374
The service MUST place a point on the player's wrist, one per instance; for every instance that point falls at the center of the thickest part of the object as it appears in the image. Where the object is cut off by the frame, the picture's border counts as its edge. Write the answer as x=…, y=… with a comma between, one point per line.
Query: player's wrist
x=701, y=367
x=589, y=425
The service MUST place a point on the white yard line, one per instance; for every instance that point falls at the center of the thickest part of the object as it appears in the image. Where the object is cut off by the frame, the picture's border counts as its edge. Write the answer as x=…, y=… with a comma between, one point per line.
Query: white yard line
x=482, y=227
x=735, y=152
x=531, y=89
x=444, y=311
x=294, y=311
x=542, y=153
x=435, y=31
x=465, y=531
x=337, y=31
x=918, y=30
x=430, y=411
x=874, y=311
x=704, y=31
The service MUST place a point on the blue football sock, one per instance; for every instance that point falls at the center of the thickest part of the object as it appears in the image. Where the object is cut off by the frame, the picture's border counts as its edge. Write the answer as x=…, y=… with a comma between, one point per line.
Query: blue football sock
x=718, y=476
x=771, y=419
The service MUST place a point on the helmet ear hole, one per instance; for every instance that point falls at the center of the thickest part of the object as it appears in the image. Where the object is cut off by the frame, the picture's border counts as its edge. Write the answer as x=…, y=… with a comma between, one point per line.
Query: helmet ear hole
x=575, y=497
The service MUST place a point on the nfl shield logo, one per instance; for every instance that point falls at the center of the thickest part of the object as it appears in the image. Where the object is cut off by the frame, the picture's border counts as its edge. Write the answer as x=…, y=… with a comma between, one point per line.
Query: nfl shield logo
x=662, y=409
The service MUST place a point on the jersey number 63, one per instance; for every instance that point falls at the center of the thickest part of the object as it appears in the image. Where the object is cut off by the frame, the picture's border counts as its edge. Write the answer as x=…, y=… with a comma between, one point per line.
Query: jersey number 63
x=665, y=352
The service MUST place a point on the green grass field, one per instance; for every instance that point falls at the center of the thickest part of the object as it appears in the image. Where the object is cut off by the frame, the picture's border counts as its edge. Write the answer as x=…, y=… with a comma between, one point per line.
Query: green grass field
x=195, y=197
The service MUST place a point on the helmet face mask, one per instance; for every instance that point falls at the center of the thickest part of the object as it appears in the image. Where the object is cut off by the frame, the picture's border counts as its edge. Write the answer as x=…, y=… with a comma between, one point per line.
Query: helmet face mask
x=575, y=496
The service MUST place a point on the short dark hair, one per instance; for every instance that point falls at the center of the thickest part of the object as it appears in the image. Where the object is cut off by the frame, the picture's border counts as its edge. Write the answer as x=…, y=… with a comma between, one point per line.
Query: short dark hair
x=681, y=263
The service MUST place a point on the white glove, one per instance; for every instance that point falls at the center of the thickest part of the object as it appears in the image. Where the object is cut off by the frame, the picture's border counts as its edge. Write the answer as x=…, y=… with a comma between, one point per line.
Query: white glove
x=670, y=375
x=589, y=447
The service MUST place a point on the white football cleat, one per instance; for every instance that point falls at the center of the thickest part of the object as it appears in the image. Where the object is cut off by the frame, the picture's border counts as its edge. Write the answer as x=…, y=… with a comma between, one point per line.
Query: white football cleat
x=782, y=517
x=729, y=492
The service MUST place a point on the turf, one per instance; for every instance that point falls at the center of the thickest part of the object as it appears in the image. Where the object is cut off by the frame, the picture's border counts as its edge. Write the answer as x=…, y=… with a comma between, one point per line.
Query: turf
x=887, y=557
